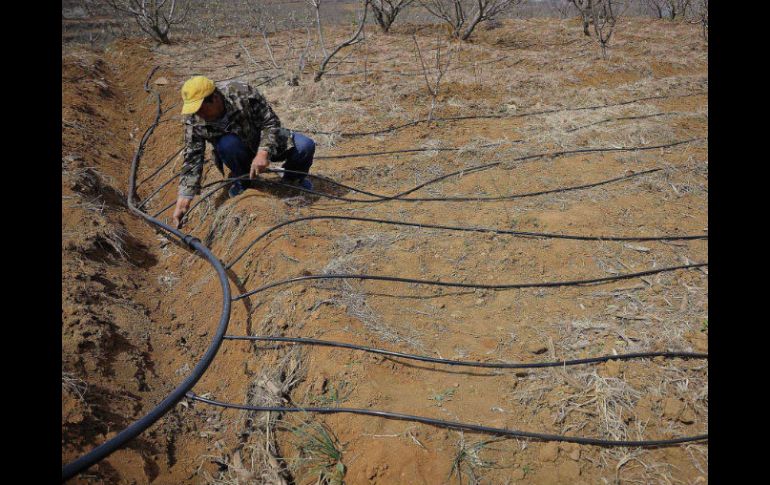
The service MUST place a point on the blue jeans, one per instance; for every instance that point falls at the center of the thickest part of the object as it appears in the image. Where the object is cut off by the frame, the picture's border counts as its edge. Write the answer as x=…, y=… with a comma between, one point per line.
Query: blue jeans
x=237, y=156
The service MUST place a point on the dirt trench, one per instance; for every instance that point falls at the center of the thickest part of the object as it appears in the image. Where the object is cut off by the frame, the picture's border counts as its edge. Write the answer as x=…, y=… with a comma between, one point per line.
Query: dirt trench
x=137, y=311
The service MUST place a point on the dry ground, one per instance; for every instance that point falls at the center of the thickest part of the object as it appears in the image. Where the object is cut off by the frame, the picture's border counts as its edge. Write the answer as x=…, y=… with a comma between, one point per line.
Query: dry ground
x=522, y=67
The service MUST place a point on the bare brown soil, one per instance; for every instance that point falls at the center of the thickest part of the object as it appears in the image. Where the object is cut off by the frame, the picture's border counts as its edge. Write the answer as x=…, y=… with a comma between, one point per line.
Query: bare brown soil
x=138, y=311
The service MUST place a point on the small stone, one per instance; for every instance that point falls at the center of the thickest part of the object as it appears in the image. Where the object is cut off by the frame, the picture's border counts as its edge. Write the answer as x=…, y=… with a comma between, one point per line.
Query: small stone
x=688, y=416
x=549, y=452
x=161, y=81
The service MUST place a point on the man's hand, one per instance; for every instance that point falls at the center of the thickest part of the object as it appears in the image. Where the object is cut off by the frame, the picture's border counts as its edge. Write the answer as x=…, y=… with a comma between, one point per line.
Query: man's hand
x=182, y=206
x=260, y=164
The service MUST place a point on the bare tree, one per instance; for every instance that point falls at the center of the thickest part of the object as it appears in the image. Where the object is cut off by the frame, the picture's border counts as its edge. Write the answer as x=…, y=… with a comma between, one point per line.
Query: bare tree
x=585, y=7
x=442, y=65
x=561, y=7
x=657, y=7
x=262, y=19
x=354, y=39
x=154, y=17
x=386, y=11
x=603, y=18
x=462, y=16
x=672, y=9
x=702, y=17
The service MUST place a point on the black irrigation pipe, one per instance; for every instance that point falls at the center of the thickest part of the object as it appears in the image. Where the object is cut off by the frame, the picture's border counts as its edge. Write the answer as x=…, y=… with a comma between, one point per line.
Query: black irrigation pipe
x=458, y=284
x=497, y=116
x=478, y=198
x=562, y=153
x=134, y=429
x=455, y=424
x=488, y=230
x=159, y=188
x=408, y=150
x=161, y=167
x=464, y=171
x=383, y=198
x=619, y=118
x=328, y=180
x=469, y=363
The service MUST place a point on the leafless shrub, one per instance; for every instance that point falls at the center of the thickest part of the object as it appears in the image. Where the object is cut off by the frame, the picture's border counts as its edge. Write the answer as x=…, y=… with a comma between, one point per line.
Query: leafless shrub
x=702, y=17
x=152, y=17
x=73, y=385
x=112, y=238
x=354, y=39
x=462, y=16
x=603, y=18
x=585, y=7
x=441, y=67
x=263, y=20
x=672, y=9
x=562, y=8
x=386, y=11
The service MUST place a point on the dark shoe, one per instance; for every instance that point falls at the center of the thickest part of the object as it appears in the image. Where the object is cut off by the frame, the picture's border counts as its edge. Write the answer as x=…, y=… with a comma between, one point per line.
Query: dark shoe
x=304, y=183
x=236, y=189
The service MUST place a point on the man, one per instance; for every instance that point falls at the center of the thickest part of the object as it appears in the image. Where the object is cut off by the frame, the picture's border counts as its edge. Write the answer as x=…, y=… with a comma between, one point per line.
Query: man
x=245, y=133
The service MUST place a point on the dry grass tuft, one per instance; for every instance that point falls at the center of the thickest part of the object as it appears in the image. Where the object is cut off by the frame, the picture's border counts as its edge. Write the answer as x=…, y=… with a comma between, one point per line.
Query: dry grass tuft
x=73, y=385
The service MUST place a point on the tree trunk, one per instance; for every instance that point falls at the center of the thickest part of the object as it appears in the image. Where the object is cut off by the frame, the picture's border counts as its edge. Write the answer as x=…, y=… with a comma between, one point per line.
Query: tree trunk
x=383, y=20
x=470, y=28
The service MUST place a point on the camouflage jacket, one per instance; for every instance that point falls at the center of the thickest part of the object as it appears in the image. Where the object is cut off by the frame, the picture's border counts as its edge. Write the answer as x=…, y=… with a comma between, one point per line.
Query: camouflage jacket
x=247, y=115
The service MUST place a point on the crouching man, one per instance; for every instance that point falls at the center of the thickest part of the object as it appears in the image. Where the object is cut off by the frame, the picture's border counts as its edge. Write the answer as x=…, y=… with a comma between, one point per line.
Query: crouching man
x=245, y=133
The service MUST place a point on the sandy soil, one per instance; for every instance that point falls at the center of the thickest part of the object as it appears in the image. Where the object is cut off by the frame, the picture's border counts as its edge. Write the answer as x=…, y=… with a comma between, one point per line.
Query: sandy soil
x=138, y=311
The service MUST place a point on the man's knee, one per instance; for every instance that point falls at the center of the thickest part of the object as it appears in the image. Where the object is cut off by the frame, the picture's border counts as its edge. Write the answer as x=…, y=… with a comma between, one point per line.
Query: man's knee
x=229, y=145
x=304, y=145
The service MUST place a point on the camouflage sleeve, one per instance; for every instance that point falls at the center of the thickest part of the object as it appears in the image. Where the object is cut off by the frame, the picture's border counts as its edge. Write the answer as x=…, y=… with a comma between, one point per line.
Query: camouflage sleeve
x=270, y=123
x=192, y=168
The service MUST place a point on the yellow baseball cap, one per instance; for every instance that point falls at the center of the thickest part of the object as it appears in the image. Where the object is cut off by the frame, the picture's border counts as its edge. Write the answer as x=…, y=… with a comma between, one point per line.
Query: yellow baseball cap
x=193, y=91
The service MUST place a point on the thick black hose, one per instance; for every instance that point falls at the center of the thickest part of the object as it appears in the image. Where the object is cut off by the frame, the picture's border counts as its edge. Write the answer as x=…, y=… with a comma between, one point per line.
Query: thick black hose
x=138, y=426
x=456, y=425
x=488, y=230
x=457, y=284
x=468, y=363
